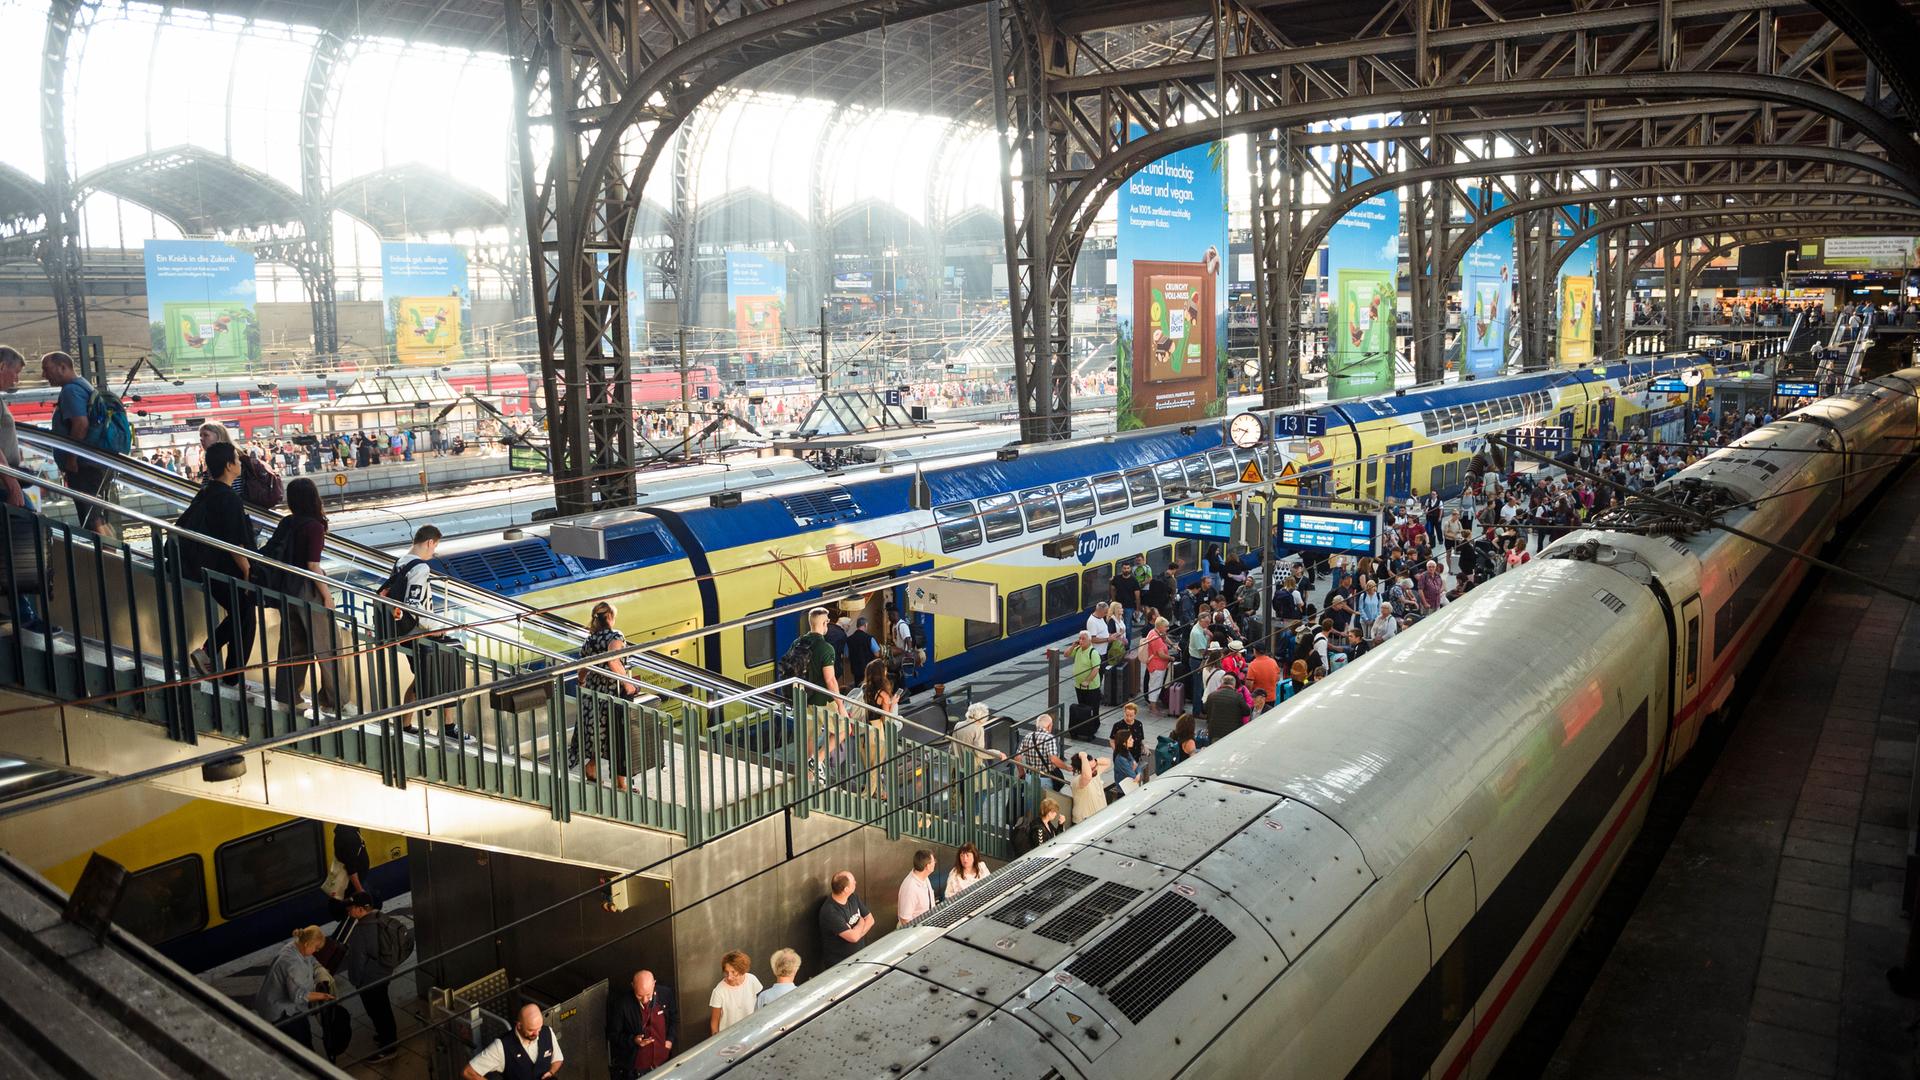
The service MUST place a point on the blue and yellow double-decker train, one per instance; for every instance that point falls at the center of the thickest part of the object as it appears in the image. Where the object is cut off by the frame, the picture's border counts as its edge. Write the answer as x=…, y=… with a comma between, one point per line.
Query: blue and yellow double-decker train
x=681, y=569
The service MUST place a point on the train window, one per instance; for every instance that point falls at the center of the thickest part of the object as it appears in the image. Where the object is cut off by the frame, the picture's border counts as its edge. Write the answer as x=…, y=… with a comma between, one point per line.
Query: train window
x=959, y=528
x=1693, y=650
x=1199, y=477
x=1096, y=584
x=1187, y=553
x=1000, y=516
x=202, y=401
x=756, y=644
x=1438, y=482
x=1160, y=558
x=289, y=396
x=1063, y=597
x=1373, y=470
x=1457, y=418
x=165, y=901
x=980, y=633
x=1041, y=508
x=1170, y=475
x=1076, y=500
x=1224, y=471
x=269, y=865
x=1141, y=485
x=1023, y=610
x=1483, y=412
x=1110, y=492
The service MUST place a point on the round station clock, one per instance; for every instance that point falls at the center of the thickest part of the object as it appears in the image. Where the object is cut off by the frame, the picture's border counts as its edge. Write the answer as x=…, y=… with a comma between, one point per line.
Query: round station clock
x=1246, y=430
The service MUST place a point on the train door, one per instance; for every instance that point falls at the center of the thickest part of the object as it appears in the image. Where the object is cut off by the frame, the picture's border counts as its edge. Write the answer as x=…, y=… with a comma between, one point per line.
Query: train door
x=1686, y=674
x=1566, y=423
x=1606, y=418
x=1450, y=905
x=920, y=622
x=1316, y=483
x=1399, y=471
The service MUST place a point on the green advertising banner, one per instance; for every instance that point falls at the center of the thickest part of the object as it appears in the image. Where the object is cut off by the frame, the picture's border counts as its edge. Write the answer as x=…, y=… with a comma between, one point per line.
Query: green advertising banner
x=200, y=305
x=1363, y=259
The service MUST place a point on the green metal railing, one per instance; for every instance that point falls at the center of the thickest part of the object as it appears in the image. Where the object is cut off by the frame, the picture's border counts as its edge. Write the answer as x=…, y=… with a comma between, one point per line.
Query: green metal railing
x=660, y=758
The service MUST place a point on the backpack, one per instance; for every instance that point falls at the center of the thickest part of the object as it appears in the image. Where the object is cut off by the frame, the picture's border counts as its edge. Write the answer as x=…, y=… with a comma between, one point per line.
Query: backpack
x=336, y=1029
x=395, y=942
x=798, y=662
x=1164, y=752
x=107, y=425
x=261, y=486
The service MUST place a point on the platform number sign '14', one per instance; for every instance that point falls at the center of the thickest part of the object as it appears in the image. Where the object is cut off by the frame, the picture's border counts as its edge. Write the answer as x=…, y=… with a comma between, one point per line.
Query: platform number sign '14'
x=1544, y=439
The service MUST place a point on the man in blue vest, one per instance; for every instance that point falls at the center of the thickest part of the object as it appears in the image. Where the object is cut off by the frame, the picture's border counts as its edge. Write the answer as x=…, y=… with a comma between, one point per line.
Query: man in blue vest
x=532, y=1052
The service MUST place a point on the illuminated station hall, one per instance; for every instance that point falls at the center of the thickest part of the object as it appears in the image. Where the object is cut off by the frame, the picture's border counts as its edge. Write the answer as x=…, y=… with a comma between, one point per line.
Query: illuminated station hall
x=955, y=540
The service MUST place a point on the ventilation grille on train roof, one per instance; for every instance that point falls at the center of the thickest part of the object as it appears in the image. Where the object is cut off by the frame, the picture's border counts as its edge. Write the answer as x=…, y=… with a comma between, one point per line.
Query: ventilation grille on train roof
x=1614, y=603
x=1100, y=964
x=1073, y=924
x=507, y=567
x=821, y=506
x=949, y=914
x=1024, y=910
x=1168, y=969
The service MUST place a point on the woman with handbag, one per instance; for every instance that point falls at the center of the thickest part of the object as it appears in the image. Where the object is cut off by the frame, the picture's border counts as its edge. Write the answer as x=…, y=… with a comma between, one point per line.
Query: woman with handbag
x=869, y=737
x=307, y=636
x=602, y=728
x=1159, y=663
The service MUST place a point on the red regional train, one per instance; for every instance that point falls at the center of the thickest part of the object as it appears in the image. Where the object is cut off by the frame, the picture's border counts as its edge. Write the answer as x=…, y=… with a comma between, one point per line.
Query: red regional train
x=238, y=402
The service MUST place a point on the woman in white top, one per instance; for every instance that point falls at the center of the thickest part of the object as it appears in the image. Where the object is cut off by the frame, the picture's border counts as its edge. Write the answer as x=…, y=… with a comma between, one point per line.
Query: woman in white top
x=967, y=870
x=734, y=997
x=1089, y=793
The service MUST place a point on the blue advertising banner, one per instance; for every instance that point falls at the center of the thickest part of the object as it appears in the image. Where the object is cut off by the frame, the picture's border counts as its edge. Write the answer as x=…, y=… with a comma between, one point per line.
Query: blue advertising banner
x=1577, y=299
x=1171, y=295
x=200, y=305
x=1363, y=264
x=427, y=296
x=1486, y=295
x=757, y=296
x=637, y=299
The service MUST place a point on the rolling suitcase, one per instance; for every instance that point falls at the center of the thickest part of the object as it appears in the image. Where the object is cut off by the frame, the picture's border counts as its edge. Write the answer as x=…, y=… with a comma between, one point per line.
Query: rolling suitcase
x=1177, y=696
x=1083, y=721
x=1113, y=684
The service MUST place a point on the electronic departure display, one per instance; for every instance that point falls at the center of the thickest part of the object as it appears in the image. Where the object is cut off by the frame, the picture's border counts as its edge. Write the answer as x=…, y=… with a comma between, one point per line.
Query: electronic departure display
x=1330, y=530
x=1669, y=386
x=1797, y=389
x=1200, y=522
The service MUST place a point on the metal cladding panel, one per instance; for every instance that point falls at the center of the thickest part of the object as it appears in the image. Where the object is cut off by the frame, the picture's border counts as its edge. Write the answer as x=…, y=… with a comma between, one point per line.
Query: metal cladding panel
x=819, y=998
x=1182, y=824
x=969, y=972
x=1184, y=984
x=999, y=1048
x=1294, y=869
x=1018, y=926
x=888, y=1027
x=1407, y=733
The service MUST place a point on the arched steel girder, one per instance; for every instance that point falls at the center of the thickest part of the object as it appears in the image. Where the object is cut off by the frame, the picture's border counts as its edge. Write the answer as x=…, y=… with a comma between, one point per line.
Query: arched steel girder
x=1564, y=247
x=1087, y=190
x=1316, y=228
x=60, y=251
x=1885, y=31
x=319, y=98
x=1479, y=225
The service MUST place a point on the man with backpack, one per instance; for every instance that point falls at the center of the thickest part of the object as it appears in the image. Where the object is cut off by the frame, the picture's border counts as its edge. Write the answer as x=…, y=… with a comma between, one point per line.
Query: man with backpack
x=812, y=657
x=86, y=416
x=435, y=657
x=375, y=944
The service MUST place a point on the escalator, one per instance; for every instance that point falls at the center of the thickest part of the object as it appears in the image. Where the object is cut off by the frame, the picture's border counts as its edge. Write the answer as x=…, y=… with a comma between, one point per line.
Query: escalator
x=503, y=621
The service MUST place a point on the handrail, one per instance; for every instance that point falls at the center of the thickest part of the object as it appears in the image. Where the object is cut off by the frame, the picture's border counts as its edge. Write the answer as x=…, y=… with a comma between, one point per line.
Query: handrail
x=569, y=665
x=368, y=559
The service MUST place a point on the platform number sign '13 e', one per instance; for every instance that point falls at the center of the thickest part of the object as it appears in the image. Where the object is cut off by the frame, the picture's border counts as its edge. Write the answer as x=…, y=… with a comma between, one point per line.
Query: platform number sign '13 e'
x=1091, y=544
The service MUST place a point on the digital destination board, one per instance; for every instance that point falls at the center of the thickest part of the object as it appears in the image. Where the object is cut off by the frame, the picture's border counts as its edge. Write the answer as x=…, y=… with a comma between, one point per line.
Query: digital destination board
x=1330, y=530
x=1200, y=522
x=1797, y=389
x=1673, y=385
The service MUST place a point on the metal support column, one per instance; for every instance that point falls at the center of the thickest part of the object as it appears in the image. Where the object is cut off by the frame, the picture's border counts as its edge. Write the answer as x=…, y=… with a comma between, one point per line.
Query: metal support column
x=60, y=253
x=1276, y=289
x=317, y=102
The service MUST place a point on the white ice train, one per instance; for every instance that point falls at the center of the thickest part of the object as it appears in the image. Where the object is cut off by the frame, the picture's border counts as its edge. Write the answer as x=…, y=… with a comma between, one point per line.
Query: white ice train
x=1376, y=878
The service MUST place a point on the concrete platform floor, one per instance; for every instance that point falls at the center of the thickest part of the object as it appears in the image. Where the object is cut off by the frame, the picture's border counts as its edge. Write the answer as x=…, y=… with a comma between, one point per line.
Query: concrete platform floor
x=1761, y=943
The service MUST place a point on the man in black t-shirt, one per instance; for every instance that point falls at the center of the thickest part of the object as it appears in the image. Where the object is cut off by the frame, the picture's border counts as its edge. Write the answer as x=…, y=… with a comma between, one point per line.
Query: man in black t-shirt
x=845, y=921
x=821, y=660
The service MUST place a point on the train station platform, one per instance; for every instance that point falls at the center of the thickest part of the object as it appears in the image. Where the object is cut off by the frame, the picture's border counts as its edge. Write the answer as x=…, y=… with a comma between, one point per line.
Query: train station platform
x=1761, y=944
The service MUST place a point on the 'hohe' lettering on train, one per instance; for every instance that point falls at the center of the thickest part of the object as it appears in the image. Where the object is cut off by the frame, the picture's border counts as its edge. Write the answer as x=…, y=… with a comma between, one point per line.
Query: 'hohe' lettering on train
x=853, y=556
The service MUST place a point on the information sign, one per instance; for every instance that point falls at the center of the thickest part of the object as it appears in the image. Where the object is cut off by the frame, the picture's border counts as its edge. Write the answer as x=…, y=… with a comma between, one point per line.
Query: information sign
x=1797, y=389
x=1299, y=425
x=526, y=459
x=1200, y=522
x=1330, y=530
x=977, y=600
x=1674, y=385
x=1543, y=438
